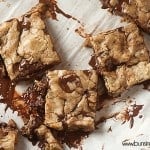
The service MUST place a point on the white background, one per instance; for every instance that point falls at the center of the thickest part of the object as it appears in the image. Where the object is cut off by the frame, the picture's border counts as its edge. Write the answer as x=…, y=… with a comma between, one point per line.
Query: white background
x=75, y=56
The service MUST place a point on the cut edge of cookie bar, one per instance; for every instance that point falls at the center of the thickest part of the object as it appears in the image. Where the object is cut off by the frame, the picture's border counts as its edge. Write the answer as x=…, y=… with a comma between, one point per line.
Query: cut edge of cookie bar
x=125, y=77
x=135, y=10
x=26, y=47
x=8, y=135
x=71, y=100
x=31, y=107
x=124, y=45
x=34, y=124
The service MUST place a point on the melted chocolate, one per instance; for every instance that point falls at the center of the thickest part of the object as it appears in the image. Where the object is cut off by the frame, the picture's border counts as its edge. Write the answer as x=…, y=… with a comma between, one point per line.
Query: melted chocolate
x=101, y=99
x=23, y=24
x=83, y=34
x=117, y=7
x=64, y=80
x=93, y=62
x=34, y=99
x=105, y=4
x=146, y=85
x=27, y=71
x=111, y=64
x=140, y=116
x=26, y=25
x=110, y=129
x=131, y=122
x=6, y=86
x=87, y=72
x=25, y=67
x=20, y=106
x=72, y=139
x=136, y=110
x=53, y=9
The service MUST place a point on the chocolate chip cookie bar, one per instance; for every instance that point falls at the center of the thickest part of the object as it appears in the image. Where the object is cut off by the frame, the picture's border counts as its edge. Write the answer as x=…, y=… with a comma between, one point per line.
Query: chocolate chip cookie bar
x=26, y=47
x=71, y=100
x=119, y=53
x=137, y=10
x=8, y=135
x=124, y=45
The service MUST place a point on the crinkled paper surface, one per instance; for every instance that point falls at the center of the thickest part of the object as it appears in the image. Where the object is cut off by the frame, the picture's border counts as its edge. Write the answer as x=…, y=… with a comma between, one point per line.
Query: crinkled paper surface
x=70, y=46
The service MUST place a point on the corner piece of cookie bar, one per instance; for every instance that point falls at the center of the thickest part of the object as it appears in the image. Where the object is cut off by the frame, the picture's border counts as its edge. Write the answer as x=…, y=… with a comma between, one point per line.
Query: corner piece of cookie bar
x=26, y=47
x=124, y=45
x=118, y=53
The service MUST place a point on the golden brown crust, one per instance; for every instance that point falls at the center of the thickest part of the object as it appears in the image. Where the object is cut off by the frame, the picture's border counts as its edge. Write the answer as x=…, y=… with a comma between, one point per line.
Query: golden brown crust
x=25, y=46
x=124, y=45
x=71, y=100
x=118, y=56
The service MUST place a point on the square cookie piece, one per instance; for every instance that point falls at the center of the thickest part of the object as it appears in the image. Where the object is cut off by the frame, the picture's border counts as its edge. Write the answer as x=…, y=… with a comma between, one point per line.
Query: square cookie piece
x=137, y=10
x=124, y=45
x=26, y=47
x=8, y=135
x=124, y=77
x=71, y=100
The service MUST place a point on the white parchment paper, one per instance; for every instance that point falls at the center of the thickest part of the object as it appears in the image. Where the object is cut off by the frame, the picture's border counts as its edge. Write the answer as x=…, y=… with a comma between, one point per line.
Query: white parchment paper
x=75, y=56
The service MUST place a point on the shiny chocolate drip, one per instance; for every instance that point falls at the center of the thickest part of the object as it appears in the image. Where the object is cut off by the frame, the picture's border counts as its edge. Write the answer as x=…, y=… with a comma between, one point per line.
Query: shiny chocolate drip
x=6, y=86
x=54, y=9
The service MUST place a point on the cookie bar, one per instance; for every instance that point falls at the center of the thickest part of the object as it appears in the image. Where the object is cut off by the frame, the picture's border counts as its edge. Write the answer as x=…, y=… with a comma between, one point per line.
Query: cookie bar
x=116, y=54
x=124, y=45
x=71, y=100
x=138, y=10
x=8, y=135
x=124, y=77
x=26, y=47
x=48, y=140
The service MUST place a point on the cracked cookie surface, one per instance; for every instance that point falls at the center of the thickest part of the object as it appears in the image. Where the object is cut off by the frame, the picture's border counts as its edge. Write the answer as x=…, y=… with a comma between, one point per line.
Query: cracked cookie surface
x=71, y=100
x=117, y=55
x=138, y=10
x=124, y=45
x=26, y=47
